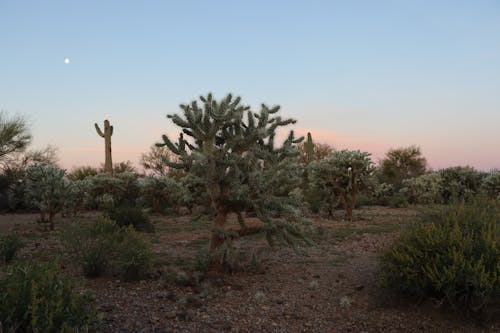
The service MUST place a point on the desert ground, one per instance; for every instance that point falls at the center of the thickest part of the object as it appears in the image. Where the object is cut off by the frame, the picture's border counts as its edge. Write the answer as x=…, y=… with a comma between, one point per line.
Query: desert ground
x=330, y=288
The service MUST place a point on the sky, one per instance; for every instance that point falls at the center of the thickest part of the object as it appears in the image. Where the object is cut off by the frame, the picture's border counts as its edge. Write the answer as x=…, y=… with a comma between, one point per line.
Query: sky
x=368, y=75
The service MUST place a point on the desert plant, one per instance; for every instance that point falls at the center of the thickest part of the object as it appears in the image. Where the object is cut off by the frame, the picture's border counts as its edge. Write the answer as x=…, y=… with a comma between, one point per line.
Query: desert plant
x=82, y=172
x=14, y=166
x=454, y=257
x=491, y=184
x=133, y=259
x=46, y=189
x=36, y=299
x=14, y=134
x=124, y=167
x=90, y=244
x=125, y=216
x=156, y=162
x=424, y=189
x=341, y=176
x=101, y=246
x=118, y=190
x=108, y=132
x=312, y=151
x=76, y=197
x=460, y=183
x=9, y=245
x=400, y=164
x=231, y=150
x=162, y=192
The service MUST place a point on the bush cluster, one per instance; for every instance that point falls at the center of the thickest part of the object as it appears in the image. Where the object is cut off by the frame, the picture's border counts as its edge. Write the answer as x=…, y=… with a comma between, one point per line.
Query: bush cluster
x=454, y=257
x=125, y=216
x=102, y=246
x=8, y=247
x=36, y=299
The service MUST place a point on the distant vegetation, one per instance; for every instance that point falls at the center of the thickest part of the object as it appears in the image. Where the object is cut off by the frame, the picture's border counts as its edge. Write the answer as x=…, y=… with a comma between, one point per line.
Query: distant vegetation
x=226, y=161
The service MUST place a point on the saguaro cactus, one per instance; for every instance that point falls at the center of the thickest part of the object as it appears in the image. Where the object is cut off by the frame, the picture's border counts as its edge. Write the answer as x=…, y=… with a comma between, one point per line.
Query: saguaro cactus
x=309, y=148
x=108, y=132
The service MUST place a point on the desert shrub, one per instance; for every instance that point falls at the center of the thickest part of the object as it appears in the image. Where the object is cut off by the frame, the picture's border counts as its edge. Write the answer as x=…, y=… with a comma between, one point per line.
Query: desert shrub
x=340, y=177
x=164, y=192
x=82, y=172
x=76, y=197
x=398, y=201
x=106, y=190
x=364, y=200
x=46, y=190
x=453, y=258
x=102, y=246
x=9, y=245
x=90, y=244
x=425, y=189
x=36, y=299
x=131, y=216
x=133, y=257
x=400, y=164
x=460, y=183
x=491, y=185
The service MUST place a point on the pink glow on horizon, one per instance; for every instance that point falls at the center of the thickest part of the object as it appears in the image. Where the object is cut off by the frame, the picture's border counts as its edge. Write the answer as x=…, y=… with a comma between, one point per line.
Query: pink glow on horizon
x=438, y=154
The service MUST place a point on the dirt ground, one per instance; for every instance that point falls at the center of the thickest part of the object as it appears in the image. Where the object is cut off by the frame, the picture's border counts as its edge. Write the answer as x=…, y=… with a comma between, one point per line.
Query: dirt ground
x=331, y=289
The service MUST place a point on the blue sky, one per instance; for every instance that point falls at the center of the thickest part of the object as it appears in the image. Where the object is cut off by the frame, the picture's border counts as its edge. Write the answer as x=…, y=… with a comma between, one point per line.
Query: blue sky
x=367, y=75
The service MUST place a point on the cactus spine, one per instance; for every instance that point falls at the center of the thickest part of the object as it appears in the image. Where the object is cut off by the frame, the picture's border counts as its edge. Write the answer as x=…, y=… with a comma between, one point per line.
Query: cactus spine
x=108, y=132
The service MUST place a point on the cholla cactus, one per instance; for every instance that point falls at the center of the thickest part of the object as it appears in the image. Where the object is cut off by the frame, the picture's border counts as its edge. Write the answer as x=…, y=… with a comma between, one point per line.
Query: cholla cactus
x=425, y=189
x=46, y=190
x=76, y=196
x=491, y=184
x=460, y=183
x=161, y=192
x=231, y=149
x=342, y=175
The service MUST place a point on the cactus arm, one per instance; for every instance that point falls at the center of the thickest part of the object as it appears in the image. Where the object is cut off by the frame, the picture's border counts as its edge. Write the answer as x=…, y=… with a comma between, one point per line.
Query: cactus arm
x=110, y=130
x=98, y=130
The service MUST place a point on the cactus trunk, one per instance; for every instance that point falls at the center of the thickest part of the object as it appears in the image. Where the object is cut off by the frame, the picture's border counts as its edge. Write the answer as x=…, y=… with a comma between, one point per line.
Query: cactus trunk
x=108, y=132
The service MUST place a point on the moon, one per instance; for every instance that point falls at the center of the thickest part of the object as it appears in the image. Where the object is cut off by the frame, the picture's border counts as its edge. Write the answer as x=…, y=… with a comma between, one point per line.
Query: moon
x=66, y=61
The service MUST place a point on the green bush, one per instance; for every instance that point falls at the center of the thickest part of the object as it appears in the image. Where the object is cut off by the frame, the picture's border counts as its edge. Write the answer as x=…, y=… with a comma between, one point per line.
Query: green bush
x=491, y=185
x=36, y=299
x=90, y=244
x=102, y=246
x=398, y=201
x=453, y=258
x=461, y=183
x=424, y=189
x=8, y=247
x=133, y=257
x=131, y=216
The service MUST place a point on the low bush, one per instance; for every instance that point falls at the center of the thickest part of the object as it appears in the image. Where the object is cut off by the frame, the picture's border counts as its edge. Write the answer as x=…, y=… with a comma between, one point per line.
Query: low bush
x=36, y=299
x=398, y=201
x=102, y=246
x=133, y=257
x=131, y=216
x=454, y=257
x=9, y=245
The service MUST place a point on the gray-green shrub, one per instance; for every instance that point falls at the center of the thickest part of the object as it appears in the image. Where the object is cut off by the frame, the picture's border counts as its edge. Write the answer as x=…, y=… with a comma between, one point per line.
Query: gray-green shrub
x=491, y=184
x=425, y=189
x=46, y=189
x=101, y=246
x=35, y=298
x=460, y=183
x=454, y=257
